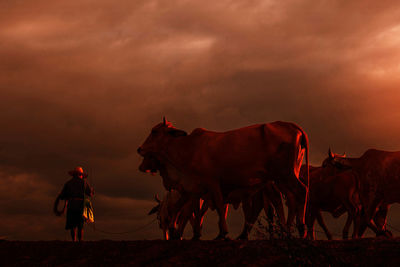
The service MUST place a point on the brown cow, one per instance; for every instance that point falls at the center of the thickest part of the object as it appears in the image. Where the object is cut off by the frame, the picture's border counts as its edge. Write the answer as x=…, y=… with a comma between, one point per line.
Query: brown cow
x=165, y=215
x=269, y=197
x=176, y=208
x=336, y=192
x=170, y=222
x=206, y=162
x=378, y=173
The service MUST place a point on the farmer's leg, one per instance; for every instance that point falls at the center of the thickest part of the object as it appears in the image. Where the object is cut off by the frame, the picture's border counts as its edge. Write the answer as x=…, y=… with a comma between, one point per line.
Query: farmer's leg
x=80, y=233
x=73, y=234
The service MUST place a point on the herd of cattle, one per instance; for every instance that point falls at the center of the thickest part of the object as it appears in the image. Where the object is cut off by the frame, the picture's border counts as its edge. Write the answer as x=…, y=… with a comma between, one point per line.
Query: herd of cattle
x=256, y=166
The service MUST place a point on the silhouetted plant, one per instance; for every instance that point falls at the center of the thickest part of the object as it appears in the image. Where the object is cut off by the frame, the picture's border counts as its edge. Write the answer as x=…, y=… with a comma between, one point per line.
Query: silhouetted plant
x=299, y=251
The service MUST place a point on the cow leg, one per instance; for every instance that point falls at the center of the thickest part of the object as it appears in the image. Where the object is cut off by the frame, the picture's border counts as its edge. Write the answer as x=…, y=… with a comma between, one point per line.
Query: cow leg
x=356, y=218
x=222, y=210
x=269, y=212
x=363, y=224
x=251, y=209
x=301, y=227
x=295, y=213
x=203, y=211
x=300, y=221
x=310, y=220
x=356, y=224
x=275, y=197
x=321, y=223
x=300, y=203
x=291, y=205
x=298, y=213
x=345, y=232
x=369, y=215
x=192, y=206
x=353, y=216
x=177, y=219
x=196, y=219
x=380, y=219
x=165, y=235
x=246, y=207
x=222, y=224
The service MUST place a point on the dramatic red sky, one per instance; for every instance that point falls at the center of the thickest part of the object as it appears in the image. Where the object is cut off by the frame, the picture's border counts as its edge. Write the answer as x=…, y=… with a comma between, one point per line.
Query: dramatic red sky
x=82, y=83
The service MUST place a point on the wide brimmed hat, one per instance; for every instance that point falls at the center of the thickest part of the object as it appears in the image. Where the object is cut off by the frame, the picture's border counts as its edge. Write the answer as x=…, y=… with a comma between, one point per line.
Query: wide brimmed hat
x=78, y=170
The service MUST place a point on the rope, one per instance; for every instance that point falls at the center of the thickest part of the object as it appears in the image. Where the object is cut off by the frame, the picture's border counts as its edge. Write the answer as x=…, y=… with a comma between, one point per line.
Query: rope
x=126, y=232
x=91, y=182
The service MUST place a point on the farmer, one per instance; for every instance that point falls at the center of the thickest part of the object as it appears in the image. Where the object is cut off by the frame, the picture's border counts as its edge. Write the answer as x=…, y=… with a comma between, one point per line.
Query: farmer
x=73, y=194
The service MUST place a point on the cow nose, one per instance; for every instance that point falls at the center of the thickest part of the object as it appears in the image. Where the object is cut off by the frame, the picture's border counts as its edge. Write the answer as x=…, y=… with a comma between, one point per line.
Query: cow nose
x=139, y=149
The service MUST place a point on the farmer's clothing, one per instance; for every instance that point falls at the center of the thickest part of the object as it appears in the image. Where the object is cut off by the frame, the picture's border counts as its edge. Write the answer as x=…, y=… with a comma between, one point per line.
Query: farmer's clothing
x=74, y=219
x=73, y=191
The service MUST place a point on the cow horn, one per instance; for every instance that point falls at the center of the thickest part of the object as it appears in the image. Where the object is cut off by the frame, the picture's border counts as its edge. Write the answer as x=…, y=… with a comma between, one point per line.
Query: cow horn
x=156, y=198
x=331, y=156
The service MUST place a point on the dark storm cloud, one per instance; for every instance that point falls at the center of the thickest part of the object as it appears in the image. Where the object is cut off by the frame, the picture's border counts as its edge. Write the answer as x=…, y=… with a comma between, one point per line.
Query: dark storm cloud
x=83, y=82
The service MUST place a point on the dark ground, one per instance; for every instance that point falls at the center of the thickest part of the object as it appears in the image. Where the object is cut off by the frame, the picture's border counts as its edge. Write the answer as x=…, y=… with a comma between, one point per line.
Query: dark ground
x=363, y=252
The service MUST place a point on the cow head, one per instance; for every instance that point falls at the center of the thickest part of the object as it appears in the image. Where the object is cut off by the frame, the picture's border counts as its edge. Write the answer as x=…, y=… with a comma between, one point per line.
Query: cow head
x=150, y=164
x=157, y=142
x=337, y=161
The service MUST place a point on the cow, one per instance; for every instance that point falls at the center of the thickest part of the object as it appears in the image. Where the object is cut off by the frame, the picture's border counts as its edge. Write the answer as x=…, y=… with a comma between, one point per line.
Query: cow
x=269, y=197
x=176, y=208
x=165, y=215
x=170, y=221
x=207, y=162
x=378, y=173
x=336, y=192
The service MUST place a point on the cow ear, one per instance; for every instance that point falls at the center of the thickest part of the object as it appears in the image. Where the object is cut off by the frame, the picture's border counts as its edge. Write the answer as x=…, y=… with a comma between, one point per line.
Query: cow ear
x=331, y=156
x=177, y=133
x=154, y=210
x=164, y=121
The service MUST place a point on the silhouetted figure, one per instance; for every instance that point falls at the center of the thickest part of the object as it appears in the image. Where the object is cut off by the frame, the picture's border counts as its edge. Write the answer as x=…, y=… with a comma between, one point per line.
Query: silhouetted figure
x=73, y=193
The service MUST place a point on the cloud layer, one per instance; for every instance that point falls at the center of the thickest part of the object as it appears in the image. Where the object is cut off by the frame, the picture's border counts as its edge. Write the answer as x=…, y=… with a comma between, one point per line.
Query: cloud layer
x=82, y=83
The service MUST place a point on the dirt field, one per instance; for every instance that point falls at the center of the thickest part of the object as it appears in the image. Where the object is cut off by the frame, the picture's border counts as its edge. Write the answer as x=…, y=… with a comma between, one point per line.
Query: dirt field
x=364, y=252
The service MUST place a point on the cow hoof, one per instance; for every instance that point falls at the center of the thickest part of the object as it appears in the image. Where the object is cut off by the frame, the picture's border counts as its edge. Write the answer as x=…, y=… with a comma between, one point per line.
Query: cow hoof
x=222, y=237
x=195, y=238
x=242, y=237
x=175, y=236
x=301, y=228
x=384, y=233
x=388, y=233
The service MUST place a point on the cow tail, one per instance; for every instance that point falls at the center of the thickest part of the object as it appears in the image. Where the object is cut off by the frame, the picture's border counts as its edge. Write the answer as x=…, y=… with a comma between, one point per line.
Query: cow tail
x=305, y=144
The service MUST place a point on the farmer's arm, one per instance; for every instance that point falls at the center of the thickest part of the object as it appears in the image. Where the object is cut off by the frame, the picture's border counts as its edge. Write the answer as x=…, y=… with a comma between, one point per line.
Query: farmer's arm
x=89, y=190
